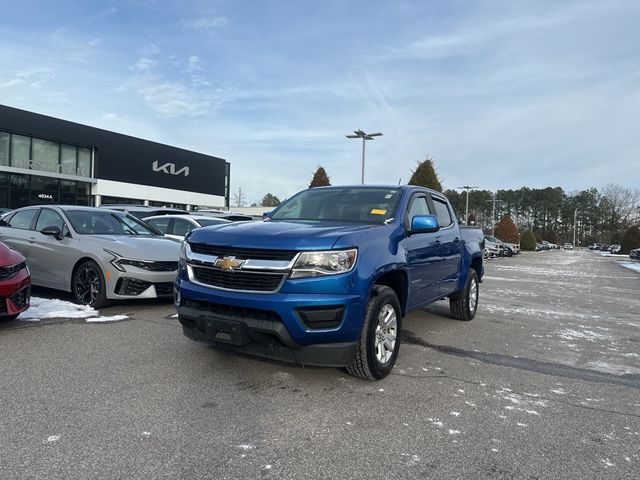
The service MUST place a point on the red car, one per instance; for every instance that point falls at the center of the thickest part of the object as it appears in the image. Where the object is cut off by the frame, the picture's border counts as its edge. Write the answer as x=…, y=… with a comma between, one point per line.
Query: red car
x=15, y=283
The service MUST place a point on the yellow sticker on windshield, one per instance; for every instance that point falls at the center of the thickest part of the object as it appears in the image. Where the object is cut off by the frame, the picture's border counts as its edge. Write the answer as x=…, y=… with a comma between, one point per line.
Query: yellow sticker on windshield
x=378, y=211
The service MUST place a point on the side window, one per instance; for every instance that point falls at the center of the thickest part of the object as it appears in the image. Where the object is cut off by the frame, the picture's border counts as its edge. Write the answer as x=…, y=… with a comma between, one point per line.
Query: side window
x=161, y=224
x=418, y=206
x=442, y=212
x=49, y=218
x=23, y=219
x=182, y=227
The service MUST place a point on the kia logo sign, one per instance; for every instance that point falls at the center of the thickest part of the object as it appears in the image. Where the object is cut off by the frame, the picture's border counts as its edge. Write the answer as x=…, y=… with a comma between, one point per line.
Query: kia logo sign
x=170, y=169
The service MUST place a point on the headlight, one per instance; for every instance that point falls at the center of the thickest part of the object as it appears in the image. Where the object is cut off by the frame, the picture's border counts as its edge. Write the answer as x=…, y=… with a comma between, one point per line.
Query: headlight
x=182, y=261
x=116, y=260
x=331, y=262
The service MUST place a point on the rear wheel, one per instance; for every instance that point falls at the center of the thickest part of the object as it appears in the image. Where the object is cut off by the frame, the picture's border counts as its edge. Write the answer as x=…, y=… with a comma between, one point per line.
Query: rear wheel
x=380, y=337
x=8, y=318
x=463, y=305
x=88, y=285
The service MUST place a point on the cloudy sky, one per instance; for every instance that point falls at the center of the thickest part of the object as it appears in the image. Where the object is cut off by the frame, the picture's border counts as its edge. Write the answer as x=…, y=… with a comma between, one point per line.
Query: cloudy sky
x=501, y=94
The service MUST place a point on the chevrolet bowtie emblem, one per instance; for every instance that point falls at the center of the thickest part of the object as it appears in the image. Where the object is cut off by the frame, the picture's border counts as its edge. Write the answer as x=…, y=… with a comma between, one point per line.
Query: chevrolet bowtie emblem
x=229, y=263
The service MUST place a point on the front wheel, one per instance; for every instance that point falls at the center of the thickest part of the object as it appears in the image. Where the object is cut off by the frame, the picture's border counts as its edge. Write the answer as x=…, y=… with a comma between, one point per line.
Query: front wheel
x=380, y=337
x=463, y=305
x=89, y=286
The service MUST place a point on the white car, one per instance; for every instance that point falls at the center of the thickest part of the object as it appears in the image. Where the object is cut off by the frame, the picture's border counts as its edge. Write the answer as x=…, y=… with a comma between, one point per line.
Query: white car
x=568, y=246
x=177, y=226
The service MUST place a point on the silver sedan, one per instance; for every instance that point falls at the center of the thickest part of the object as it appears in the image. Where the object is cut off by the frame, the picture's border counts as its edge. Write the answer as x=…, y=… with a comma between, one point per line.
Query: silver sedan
x=96, y=254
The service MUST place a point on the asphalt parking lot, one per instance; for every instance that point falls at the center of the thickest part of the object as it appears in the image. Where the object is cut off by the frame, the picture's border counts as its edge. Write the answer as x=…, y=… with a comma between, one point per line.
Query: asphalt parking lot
x=543, y=384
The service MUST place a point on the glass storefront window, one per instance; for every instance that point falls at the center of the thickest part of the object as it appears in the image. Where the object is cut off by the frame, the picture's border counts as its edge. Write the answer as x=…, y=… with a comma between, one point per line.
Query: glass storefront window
x=68, y=186
x=4, y=148
x=84, y=162
x=20, y=146
x=44, y=155
x=68, y=159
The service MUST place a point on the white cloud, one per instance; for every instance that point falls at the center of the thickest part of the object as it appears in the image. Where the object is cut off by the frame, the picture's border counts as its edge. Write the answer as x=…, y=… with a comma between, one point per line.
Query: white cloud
x=205, y=23
x=145, y=64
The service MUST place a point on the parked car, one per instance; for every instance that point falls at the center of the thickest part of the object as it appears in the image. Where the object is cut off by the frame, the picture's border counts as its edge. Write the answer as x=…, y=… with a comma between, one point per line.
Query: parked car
x=615, y=248
x=96, y=254
x=568, y=246
x=232, y=216
x=177, y=226
x=141, y=211
x=15, y=283
x=634, y=254
x=496, y=247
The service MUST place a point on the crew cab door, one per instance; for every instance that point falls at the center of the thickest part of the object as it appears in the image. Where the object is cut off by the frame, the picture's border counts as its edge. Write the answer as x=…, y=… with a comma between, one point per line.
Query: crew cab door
x=424, y=255
x=451, y=244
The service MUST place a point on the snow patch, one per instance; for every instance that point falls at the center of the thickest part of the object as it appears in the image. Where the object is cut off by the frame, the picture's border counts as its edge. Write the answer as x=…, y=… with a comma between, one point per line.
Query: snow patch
x=43, y=308
x=631, y=266
x=53, y=438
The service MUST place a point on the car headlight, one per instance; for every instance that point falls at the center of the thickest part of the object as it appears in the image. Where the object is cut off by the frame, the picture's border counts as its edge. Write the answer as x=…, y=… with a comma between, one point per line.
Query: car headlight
x=115, y=261
x=317, y=264
x=182, y=261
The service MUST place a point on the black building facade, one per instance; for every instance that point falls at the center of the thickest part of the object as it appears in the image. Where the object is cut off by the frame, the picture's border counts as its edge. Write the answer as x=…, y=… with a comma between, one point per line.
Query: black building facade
x=48, y=160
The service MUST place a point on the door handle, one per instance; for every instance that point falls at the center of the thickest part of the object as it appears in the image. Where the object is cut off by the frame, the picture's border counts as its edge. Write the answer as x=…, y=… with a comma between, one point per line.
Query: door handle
x=32, y=239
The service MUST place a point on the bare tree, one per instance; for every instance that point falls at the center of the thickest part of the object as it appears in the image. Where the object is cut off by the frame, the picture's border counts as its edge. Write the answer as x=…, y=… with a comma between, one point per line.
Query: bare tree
x=238, y=199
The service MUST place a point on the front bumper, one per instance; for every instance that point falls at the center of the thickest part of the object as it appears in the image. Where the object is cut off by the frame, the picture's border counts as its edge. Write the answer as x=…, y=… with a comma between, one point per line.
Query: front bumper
x=138, y=283
x=303, y=328
x=15, y=294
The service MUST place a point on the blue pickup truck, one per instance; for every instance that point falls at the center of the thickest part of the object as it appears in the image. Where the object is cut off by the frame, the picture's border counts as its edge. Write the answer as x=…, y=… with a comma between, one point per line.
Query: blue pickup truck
x=326, y=278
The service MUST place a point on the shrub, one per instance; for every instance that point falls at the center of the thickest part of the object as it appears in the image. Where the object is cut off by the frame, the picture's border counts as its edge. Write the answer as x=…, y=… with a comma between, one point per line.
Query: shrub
x=630, y=240
x=528, y=241
x=507, y=231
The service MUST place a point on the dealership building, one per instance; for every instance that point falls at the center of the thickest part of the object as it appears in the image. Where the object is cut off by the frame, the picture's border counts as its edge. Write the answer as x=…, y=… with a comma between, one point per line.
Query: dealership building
x=45, y=160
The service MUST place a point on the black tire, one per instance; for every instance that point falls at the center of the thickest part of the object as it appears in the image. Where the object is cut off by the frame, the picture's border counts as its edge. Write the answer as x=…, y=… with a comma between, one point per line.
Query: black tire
x=509, y=252
x=88, y=285
x=463, y=306
x=9, y=318
x=367, y=364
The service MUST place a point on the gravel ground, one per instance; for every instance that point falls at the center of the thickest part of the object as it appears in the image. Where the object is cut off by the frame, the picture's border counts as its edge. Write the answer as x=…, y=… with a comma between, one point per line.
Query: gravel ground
x=543, y=384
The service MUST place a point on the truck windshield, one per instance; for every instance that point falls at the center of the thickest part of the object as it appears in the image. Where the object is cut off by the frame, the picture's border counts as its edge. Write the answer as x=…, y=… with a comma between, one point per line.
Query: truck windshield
x=341, y=204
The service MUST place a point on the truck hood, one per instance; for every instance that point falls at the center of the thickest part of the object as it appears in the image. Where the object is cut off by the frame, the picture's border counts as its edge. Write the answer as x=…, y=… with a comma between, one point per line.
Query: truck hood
x=135, y=246
x=280, y=235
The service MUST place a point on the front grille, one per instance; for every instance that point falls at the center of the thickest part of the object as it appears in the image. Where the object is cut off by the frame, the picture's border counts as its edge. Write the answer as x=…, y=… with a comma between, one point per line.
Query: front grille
x=8, y=272
x=131, y=286
x=164, y=289
x=236, y=280
x=237, y=313
x=243, y=253
x=21, y=298
x=151, y=266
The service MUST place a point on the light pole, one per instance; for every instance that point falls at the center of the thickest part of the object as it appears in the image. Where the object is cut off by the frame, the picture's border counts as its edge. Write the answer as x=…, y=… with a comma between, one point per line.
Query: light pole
x=493, y=215
x=575, y=213
x=466, y=213
x=364, y=136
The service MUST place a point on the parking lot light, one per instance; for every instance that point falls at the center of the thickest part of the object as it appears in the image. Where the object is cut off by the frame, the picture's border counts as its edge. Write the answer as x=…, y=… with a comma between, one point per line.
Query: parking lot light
x=364, y=136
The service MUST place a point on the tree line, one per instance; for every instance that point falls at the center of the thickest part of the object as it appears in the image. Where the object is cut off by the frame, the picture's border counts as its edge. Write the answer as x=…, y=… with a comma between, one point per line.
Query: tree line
x=600, y=215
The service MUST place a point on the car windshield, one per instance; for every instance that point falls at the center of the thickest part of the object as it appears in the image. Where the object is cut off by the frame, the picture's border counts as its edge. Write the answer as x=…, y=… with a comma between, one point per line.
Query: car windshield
x=97, y=222
x=348, y=204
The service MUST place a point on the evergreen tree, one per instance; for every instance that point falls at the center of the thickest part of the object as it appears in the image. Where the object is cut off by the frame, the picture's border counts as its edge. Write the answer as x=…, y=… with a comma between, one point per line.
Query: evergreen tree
x=320, y=178
x=631, y=240
x=528, y=241
x=425, y=175
x=270, y=200
x=507, y=231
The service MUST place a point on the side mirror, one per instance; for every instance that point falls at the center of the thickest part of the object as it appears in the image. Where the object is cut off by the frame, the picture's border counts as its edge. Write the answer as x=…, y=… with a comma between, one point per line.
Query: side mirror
x=267, y=215
x=52, y=231
x=424, y=224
